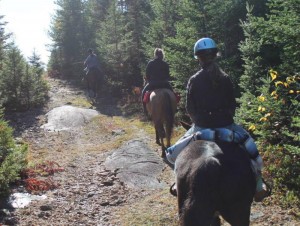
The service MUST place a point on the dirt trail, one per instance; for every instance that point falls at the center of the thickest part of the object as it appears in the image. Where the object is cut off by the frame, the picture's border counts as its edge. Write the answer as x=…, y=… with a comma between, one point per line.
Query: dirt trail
x=89, y=193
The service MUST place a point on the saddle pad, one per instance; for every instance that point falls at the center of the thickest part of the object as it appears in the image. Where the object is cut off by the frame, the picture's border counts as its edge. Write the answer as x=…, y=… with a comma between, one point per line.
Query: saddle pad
x=146, y=98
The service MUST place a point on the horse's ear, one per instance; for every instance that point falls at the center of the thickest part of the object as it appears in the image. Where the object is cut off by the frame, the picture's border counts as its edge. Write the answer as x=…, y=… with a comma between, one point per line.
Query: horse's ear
x=185, y=125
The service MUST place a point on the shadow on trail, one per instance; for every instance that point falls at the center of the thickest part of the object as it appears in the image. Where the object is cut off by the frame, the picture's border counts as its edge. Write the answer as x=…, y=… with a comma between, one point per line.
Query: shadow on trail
x=107, y=105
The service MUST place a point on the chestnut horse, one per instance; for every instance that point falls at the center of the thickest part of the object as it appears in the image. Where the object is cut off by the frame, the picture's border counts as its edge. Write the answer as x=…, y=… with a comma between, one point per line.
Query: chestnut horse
x=214, y=179
x=162, y=109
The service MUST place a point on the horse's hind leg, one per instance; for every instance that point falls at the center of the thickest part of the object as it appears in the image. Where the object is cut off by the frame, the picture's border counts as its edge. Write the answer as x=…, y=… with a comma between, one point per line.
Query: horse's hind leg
x=239, y=215
x=193, y=216
x=163, y=148
x=157, y=136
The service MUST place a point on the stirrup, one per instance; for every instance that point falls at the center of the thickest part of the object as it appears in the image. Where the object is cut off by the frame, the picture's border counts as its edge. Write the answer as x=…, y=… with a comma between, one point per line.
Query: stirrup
x=173, y=189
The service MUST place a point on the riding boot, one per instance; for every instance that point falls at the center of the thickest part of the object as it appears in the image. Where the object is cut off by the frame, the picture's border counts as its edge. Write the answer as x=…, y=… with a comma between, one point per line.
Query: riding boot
x=261, y=188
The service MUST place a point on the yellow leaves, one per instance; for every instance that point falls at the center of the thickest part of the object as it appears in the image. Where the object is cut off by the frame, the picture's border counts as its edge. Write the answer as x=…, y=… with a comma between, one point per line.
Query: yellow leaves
x=263, y=119
x=262, y=109
x=267, y=115
x=291, y=91
x=285, y=84
x=273, y=74
x=278, y=83
x=261, y=98
x=291, y=79
x=252, y=127
x=274, y=95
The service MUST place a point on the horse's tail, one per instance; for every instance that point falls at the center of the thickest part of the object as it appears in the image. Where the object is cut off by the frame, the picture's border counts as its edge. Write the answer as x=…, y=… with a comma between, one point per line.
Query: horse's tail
x=169, y=115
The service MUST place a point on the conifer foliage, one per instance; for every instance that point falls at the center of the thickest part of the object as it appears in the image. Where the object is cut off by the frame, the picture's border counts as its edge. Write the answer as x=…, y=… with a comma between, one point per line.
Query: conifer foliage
x=21, y=87
x=271, y=91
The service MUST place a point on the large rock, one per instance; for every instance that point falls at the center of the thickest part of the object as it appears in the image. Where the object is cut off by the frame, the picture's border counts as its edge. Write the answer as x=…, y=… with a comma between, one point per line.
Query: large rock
x=136, y=165
x=68, y=118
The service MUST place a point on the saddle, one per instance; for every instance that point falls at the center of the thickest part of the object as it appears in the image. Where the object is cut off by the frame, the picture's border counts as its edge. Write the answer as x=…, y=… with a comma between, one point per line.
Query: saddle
x=220, y=134
x=146, y=97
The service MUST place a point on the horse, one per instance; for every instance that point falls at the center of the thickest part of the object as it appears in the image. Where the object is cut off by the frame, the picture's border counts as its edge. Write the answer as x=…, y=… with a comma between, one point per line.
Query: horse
x=94, y=80
x=162, y=108
x=213, y=180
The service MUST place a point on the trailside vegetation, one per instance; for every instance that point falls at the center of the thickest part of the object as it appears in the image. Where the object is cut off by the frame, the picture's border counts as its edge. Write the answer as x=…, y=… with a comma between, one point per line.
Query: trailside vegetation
x=270, y=85
x=258, y=42
x=12, y=157
x=22, y=87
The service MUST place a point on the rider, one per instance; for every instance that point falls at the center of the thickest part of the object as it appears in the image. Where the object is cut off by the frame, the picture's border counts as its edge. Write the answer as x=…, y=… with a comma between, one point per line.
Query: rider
x=92, y=62
x=157, y=74
x=211, y=104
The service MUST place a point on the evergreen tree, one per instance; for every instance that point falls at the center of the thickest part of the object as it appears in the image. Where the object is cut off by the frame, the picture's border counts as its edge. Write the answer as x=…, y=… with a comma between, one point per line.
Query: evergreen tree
x=95, y=12
x=108, y=41
x=21, y=85
x=36, y=63
x=164, y=16
x=13, y=71
x=270, y=104
x=3, y=40
x=67, y=33
x=136, y=22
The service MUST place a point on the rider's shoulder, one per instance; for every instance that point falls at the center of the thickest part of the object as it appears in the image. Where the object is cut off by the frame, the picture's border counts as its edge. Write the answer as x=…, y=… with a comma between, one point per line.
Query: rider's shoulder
x=197, y=75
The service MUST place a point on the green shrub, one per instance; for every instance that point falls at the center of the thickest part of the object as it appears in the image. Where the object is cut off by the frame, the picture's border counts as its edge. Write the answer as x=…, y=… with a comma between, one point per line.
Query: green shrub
x=12, y=158
x=274, y=119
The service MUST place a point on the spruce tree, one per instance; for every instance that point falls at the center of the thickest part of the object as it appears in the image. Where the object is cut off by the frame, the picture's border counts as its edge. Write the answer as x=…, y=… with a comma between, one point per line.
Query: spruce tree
x=271, y=88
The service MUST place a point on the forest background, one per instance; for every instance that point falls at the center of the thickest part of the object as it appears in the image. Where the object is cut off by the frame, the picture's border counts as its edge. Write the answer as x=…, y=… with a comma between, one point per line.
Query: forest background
x=259, y=42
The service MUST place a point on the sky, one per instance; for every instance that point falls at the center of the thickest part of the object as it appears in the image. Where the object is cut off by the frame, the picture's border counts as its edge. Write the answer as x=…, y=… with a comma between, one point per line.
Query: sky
x=29, y=21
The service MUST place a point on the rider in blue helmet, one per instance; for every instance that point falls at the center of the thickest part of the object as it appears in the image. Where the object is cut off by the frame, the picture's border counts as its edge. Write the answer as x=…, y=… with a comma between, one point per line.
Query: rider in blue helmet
x=205, y=45
x=211, y=104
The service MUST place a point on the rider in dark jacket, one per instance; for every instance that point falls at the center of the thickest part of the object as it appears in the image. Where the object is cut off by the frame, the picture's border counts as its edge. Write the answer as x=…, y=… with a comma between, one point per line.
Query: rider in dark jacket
x=92, y=62
x=210, y=101
x=157, y=74
x=211, y=104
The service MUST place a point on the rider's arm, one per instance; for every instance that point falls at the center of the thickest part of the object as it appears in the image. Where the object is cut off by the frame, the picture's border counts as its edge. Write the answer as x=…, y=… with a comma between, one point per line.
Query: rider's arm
x=231, y=96
x=190, y=103
x=149, y=71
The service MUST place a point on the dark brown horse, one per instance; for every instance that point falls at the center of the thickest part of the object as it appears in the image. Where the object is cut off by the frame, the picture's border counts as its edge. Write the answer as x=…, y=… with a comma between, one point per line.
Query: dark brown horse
x=162, y=109
x=94, y=80
x=214, y=179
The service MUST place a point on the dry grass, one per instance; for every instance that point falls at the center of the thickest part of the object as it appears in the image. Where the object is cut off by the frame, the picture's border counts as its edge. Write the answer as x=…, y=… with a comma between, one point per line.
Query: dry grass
x=159, y=209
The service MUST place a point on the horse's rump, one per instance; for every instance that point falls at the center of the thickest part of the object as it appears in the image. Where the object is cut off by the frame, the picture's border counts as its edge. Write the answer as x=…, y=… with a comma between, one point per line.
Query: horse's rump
x=211, y=179
x=161, y=102
x=162, y=108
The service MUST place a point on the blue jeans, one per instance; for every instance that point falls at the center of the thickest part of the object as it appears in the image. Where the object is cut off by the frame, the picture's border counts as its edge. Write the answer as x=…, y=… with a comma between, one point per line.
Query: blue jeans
x=240, y=136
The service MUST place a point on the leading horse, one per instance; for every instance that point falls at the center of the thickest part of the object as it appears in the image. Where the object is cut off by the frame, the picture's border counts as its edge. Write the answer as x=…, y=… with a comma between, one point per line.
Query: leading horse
x=94, y=80
x=162, y=109
x=214, y=179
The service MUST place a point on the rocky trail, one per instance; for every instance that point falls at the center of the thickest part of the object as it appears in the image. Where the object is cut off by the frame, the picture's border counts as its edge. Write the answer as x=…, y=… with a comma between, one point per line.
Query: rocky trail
x=111, y=173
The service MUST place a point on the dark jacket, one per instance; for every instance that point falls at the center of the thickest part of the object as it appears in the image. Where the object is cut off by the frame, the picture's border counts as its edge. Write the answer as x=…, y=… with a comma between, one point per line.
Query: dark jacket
x=210, y=105
x=157, y=71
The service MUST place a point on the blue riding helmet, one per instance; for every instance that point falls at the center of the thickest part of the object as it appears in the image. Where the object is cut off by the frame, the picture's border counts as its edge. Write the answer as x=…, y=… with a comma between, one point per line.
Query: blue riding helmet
x=204, y=44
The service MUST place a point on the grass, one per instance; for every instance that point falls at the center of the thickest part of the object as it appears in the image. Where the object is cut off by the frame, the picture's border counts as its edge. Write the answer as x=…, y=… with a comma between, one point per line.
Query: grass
x=159, y=209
